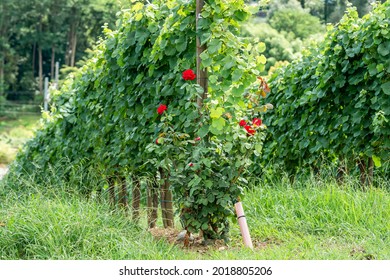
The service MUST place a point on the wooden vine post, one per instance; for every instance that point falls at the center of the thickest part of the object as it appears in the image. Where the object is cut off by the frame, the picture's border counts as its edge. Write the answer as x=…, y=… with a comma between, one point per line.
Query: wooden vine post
x=166, y=200
x=201, y=74
x=136, y=200
x=123, y=201
x=152, y=204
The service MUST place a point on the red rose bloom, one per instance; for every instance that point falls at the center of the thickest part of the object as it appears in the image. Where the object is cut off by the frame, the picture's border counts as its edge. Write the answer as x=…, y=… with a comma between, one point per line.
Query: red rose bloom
x=256, y=122
x=197, y=139
x=157, y=141
x=242, y=123
x=161, y=109
x=249, y=130
x=190, y=164
x=188, y=75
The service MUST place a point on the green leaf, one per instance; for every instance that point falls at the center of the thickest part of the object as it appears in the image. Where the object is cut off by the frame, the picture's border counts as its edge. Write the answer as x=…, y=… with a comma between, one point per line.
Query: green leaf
x=206, y=60
x=259, y=148
x=377, y=161
x=228, y=147
x=181, y=44
x=240, y=15
x=206, y=162
x=237, y=74
x=213, y=79
x=216, y=113
x=261, y=47
x=211, y=198
x=384, y=48
x=151, y=70
x=214, y=130
x=386, y=88
x=379, y=67
x=261, y=59
x=138, y=16
x=218, y=123
x=139, y=78
x=202, y=132
x=372, y=69
x=199, y=89
x=208, y=184
x=238, y=91
x=195, y=181
x=214, y=45
x=137, y=7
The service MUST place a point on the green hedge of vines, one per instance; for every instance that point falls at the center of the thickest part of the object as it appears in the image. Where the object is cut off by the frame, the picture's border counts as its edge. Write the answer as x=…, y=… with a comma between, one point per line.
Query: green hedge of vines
x=107, y=114
x=334, y=103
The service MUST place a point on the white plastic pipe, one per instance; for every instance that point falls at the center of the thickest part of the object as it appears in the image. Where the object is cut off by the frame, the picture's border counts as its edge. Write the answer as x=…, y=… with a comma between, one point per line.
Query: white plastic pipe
x=243, y=225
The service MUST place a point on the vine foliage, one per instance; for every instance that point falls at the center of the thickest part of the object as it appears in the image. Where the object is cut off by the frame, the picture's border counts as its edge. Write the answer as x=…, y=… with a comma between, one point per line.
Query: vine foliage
x=335, y=101
x=128, y=110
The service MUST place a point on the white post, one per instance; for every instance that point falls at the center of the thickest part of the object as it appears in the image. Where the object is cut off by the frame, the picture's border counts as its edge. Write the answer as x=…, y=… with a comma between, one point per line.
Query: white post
x=57, y=67
x=243, y=225
x=46, y=95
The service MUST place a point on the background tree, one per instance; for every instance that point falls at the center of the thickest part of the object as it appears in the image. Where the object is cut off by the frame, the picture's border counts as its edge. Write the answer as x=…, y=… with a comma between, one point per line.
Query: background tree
x=8, y=56
x=35, y=34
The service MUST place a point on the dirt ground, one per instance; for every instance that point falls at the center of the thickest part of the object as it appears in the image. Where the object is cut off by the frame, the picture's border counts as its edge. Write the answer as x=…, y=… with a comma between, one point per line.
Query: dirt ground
x=197, y=244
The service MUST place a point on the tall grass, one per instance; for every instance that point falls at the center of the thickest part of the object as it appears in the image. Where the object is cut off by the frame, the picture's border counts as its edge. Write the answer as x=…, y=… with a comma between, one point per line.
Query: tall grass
x=59, y=225
x=311, y=219
x=321, y=222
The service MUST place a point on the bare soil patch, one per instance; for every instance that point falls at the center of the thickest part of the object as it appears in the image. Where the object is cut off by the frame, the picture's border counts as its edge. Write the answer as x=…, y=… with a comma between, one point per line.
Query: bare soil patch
x=198, y=245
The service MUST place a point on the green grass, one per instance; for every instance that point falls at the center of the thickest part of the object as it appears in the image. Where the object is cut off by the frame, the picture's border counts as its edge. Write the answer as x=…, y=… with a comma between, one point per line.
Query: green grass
x=309, y=220
x=14, y=133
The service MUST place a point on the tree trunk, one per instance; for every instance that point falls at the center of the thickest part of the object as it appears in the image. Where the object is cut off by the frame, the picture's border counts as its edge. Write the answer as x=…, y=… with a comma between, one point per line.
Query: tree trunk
x=69, y=50
x=201, y=74
x=40, y=65
x=136, y=193
x=152, y=205
x=370, y=177
x=70, y=55
x=74, y=44
x=2, y=85
x=53, y=57
x=326, y=11
x=33, y=59
x=341, y=171
x=123, y=201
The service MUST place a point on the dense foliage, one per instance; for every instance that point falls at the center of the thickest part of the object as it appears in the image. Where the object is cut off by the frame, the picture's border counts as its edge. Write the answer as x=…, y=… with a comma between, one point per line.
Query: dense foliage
x=131, y=109
x=34, y=34
x=335, y=102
